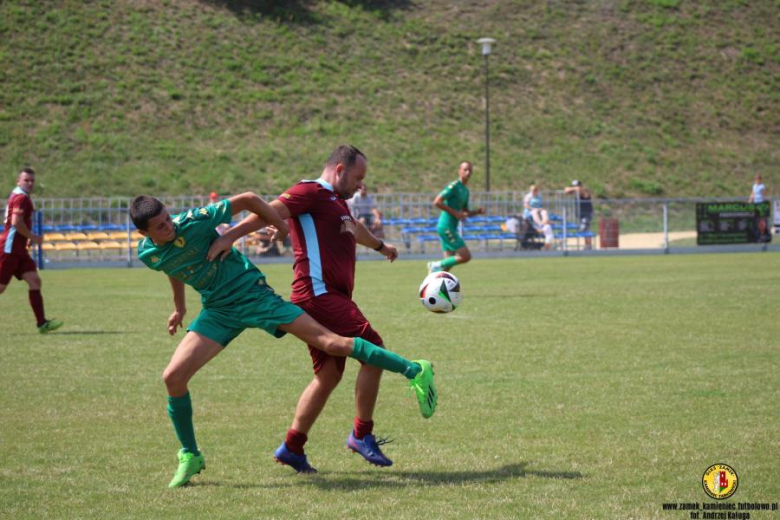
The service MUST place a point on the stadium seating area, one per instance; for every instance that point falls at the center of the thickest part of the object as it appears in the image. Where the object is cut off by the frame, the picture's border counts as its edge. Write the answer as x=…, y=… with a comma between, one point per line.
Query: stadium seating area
x=90, y=243
x=87, y=242
x=489, y=230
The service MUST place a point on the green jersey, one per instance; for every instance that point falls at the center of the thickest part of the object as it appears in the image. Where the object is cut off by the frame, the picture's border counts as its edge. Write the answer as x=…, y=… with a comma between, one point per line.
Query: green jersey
x=456, y=196
x=184, y=258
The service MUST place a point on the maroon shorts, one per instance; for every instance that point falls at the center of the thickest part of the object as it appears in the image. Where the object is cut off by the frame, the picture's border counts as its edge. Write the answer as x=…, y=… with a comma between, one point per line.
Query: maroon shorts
x=342, y=316
x=15, y=265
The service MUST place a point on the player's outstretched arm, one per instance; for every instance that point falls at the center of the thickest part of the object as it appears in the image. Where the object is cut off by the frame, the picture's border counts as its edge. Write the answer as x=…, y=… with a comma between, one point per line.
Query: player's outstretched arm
x=263, y=214
x=179, y=306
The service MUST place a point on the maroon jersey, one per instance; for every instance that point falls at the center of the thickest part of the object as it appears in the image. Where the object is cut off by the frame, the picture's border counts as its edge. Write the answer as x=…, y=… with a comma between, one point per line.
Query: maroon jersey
x=323, y=238
x=11, y=241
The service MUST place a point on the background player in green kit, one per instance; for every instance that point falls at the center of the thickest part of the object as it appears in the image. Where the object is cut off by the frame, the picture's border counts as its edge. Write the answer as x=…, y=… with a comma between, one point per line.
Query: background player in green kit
x=453, y=201
x=234, y=297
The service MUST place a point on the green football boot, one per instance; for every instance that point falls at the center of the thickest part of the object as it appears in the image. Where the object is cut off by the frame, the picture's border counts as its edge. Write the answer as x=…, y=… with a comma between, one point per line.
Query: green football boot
x=189, y=465
x=423, y=387
x=50, y=325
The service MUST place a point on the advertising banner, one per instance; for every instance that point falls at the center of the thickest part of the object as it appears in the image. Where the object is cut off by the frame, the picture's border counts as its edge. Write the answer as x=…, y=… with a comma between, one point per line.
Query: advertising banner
x=732, y=223
x=777, y=213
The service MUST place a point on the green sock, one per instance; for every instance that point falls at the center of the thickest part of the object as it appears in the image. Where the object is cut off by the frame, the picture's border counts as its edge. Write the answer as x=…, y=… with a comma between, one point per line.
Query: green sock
x=180, y=412
x=448, y=262
x=370, y=354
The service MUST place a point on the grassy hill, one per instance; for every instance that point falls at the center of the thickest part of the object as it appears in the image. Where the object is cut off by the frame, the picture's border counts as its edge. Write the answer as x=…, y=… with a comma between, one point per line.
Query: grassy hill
x=643, y=98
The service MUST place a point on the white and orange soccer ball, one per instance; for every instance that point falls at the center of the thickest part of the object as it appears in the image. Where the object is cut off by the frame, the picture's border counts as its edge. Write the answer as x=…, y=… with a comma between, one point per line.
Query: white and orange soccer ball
x=440, y=292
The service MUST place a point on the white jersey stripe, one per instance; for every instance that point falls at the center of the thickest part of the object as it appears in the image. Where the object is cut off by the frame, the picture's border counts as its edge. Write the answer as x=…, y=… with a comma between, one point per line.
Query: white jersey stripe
x=9, y=240
x=313, y=250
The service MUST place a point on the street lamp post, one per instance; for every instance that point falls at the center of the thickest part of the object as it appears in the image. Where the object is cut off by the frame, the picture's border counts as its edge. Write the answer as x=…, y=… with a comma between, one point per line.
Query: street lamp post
x=486, y=44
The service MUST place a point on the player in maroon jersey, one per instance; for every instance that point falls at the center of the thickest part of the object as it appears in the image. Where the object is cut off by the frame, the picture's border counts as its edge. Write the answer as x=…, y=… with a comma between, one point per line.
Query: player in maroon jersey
x=15, y=260
x=324, y=237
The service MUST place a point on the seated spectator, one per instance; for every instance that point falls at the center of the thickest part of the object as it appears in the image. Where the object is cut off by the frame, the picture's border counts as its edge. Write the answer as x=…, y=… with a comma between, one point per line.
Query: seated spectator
x=534, y=213
x=512, y=224
x=585, y=209
x=265, y=245
x=524, y=230
x=365, y=211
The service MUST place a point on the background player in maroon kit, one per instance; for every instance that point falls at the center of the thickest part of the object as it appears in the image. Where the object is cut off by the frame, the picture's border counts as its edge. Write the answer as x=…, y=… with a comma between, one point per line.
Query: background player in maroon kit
x=15, y=260
x=324, y=237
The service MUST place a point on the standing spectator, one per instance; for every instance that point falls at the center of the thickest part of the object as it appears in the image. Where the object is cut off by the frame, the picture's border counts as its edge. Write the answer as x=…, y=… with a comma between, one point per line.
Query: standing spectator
x=365, y=211
x=534, y=213
x=759, y=190
x=585, y=210
x=15, y=260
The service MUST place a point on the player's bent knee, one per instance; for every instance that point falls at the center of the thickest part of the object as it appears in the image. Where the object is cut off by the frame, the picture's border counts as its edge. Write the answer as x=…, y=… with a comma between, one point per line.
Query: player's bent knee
x=328, y=379
x=2, y=288
x=175, y=380
x=336, y=345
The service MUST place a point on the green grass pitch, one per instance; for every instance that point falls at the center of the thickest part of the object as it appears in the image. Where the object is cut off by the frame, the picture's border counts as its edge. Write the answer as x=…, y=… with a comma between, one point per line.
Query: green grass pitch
x=569, y=388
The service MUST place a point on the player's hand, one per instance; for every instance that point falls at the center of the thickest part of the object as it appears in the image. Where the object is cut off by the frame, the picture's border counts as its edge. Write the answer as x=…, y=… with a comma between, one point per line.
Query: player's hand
x=175, y=322
x=390, y=251
x=221, y=247
x=480, y=211
x=36, y=239
x=279, y=233
x=463, y=215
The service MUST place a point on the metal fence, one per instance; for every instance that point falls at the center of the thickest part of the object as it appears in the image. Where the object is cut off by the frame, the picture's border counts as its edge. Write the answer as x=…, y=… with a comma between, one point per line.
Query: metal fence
x=98, y=230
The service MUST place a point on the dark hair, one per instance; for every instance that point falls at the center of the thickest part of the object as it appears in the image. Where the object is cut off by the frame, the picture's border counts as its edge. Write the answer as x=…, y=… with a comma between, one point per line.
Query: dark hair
x=345, y=154
x=27, y=170
x=142, y=209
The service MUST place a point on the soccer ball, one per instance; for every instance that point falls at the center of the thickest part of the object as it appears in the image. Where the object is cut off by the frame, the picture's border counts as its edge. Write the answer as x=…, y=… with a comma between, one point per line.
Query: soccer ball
x=440, y=292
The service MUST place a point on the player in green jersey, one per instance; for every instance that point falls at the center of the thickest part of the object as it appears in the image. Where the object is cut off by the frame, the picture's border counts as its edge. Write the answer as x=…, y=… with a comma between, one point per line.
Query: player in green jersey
x=453, y=201
x=234, y=297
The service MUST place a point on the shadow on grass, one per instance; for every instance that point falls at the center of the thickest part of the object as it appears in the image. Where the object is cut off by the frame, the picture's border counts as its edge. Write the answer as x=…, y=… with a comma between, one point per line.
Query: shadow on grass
x=433, y=478
x=509, y=296
x=329, y=481
x=74, y=333
x=301, y=11
x=218, y=484
x=87, y=332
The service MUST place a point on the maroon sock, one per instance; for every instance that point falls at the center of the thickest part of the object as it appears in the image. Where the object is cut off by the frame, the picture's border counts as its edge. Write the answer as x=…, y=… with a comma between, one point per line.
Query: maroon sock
x=36, y=302
x=295, y=441
x=363, y=428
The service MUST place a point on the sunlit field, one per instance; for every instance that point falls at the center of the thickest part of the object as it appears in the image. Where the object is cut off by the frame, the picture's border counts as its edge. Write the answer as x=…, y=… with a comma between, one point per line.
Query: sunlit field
x=569, y=388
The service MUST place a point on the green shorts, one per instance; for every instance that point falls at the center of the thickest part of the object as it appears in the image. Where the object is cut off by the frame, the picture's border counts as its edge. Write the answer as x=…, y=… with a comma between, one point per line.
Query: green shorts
x=260, y=308
x=450, y=239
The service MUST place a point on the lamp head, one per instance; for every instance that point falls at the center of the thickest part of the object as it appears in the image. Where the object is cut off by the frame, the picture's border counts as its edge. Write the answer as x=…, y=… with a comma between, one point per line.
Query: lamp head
x=486, y=43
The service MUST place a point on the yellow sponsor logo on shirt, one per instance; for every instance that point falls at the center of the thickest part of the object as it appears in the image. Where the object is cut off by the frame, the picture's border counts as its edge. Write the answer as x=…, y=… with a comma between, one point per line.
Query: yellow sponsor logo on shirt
x=180, y=242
